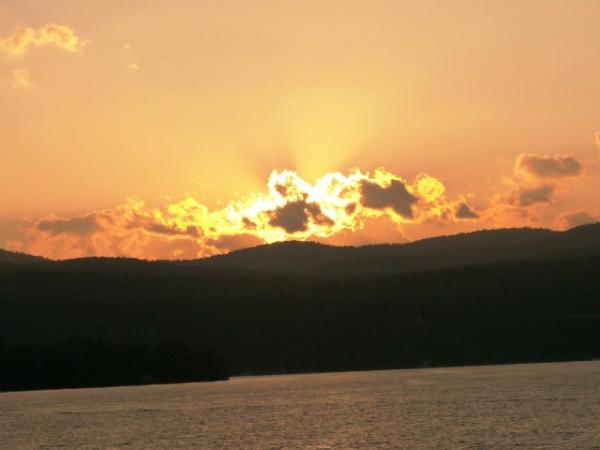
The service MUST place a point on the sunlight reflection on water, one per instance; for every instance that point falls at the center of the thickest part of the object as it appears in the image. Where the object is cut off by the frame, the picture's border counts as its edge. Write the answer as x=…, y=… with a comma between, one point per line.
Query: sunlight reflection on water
x=528, y=406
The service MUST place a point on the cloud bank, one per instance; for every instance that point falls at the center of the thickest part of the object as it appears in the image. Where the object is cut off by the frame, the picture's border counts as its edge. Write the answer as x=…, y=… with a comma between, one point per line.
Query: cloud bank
x=292, y=208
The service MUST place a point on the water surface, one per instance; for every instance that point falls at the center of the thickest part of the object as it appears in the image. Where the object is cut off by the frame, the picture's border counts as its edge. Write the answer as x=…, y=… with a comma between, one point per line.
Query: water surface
x=553, y=406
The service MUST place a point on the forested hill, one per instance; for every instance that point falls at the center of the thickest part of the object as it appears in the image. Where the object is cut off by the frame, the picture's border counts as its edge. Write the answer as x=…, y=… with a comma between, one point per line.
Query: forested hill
x=497, y=313
x=481, y=247
x=19, y=258
x=497, y=296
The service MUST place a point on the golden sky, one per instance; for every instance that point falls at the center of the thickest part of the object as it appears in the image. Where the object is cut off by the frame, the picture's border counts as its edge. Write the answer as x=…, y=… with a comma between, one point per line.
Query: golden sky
x=177, y=129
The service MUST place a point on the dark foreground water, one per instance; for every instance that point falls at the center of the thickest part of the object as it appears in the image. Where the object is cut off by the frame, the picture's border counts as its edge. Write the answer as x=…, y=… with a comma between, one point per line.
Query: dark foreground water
x=516, y=406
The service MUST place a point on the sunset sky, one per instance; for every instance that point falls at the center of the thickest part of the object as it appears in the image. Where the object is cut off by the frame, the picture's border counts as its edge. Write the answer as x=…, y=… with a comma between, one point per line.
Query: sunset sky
x=180, y=129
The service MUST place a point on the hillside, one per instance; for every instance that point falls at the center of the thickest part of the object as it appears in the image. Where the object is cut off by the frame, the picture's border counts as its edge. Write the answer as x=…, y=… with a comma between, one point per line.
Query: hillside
x=19, y=258
x=481, y=247
x=518, y=311
x=486, y=297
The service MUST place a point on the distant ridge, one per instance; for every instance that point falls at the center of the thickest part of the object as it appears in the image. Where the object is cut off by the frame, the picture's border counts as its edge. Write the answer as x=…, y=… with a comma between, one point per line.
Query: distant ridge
x=310, y=258
x=19, y=258
x=480, y=247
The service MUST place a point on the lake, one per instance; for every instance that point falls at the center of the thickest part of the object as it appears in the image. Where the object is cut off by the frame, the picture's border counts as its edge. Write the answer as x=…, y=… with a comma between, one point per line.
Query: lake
x=553, y=406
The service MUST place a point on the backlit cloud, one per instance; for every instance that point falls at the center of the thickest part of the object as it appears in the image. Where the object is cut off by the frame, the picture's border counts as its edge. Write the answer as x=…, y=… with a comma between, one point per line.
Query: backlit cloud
x=291, y=208
x=24, y=38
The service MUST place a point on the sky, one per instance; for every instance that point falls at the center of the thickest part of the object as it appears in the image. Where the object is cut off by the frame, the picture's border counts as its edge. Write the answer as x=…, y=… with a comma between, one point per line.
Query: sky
x=181, y=129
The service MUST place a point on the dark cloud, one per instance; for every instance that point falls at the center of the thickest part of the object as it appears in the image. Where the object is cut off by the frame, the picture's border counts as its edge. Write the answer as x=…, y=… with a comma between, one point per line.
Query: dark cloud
x=81, y=226
x=527, y=196
x=575, y=219
x=295, y=216
x=350, y=208
x=282, y=189
x=394, y=196
x=549, y=166
x=464, y=211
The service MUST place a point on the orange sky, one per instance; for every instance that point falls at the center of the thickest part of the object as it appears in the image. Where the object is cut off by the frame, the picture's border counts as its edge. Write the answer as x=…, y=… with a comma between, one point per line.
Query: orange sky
x=152, y=129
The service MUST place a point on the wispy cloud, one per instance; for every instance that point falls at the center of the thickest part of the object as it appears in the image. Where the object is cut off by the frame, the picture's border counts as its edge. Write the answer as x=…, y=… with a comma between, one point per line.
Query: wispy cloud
x=25, y=38
x=21, y=79
x=133, y=65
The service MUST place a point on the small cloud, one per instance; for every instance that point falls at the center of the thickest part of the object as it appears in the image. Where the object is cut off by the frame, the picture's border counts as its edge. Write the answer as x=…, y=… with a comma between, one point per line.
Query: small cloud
x=134, y=66
x=541, y=166
x=18, y=42
x=21, y=79
x=464, y=211
x=598, y=138
x=574, y=219
x=60, y=36
x=536, y=180
x=128, y=47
